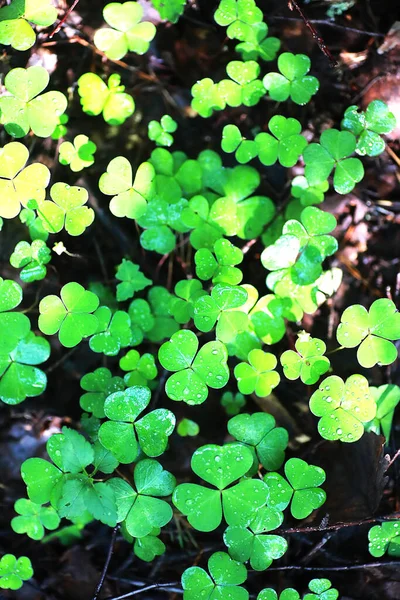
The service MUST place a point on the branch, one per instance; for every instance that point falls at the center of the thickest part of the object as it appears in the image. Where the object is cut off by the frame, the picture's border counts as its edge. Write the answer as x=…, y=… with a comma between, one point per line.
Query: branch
x=65, y=17
x=109, y=555
x=392, y=563
x=155, y=586
x=338, y=526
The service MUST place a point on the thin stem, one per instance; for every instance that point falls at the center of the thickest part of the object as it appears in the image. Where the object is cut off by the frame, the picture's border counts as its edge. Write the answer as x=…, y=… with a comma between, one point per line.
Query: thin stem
x=109, y=555
x=393, y=459
x=329, y=24
x=335, y=350
x=393, y=563
x=65, y=17
x=338, y=526
x=155, y=586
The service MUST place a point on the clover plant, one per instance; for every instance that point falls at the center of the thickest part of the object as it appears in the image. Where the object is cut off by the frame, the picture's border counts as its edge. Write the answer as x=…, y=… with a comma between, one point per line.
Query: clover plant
x=293, y=80
x=187, y=427
x=31, y=259
x=113, y=331
x=78, y=154
x=66, y=210
x=141, y=370
x=258, y=374
x=109, y=99
x=15, y=21
x=386, y=398
x=98, y=386
x=307, y=362
x=232, y=403
x=321, y=589
x=270, y=594
x=224, y=581
x=385, y=538
x=171, y=10
x=160, y=132
x=368, y=126
x=257, y=44
x=34, y=518
x=14, y=571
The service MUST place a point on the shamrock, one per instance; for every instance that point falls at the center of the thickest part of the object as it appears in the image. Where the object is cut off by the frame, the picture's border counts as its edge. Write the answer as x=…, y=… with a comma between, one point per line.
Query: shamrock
x=266, y=441
x=160, y=132
x=321, y=590
x=219, y=308
x=239, y=16
x=188, y=427
x=258, y=45
x=142, y=320
x=15, y=19
x=368, y=125
x=196, y=216
x=344, y=407
x=251, y=543
x=258, y=374
x=384, y=538
x=18, y=183
x=232, y=141
x=307, y=362
x=34, y=518
x=332, y=153
x=302, y=490
x=194, y=371
x=232, y=403
x=28, y=217
x=148, y=547
x=23, y=109
x=170, y=10
x=13, y=325
x=140, y=508
x=141, y=369
x=13, y=571
x=129, y=195
x=207, y=96
x=159, y=220
x=286, y=144
x=127, y=33
x=243, y=87
x=124, y=436
x=224, y=580
x=110, y=100
x=67, y=210
x=292, y=81
x=79, y=154
x=373, y=330
x=19, y=378
x=187, y=292
x=61, y=129
x=98, y=385
x=132, y=279
x=220, y=466
x=386, y=398
x=308, y=194
x=71, y=316
x=113, y=331
x=268, y=316
x=31, y=258
x=270, y=594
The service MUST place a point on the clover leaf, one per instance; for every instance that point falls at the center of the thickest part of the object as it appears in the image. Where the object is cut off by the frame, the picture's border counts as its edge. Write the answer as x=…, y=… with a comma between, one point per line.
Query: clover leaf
x=113, y=331
x=13, y=325
x=258, y=374
x=142, y=320
x=252, y=544
x=232, y=141
x=34, y=518
x=110, y=100
x=18, y=183
x=187, y=427
x=67, y=210
x=258, y=45
x=239, y=16
x=31, y=258
x=270, y=594
x=307, y=362
x=219, y=308
x=129, y=195
x=127, y=33
x=321, y=590
x=196, y=216
x=368, y=125
x=170, y=10
x=344, y=407
x=232, y=403
x=386, y=399
x=14, y=571
x=384, y=538
x=124, y=436
x=266, y=441
x=187, y=292
x=243, y=87
x=71, y=316
x=286, y=144
x=292, y=81
x=149, y=546
x=141, y=369
x=207, y=97
x=19, y=378
x=224, y=580
x=132, y=280
x=98, y=386
x=194, y=372
x=15, y=19
x=301, y=488
x=140, y=508
x=160, y=300
x=78, y=155
x=268, y=316
x=23, y=109
x=333, y=152
x=308, y=194
x=160, y=132
x=374, y=330
x=220, y=466
x=61, y=129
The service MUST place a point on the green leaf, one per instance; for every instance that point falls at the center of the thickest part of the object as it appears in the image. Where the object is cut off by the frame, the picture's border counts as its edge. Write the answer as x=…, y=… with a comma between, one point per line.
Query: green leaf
x=287, y=144
x=232, y=403
x=40, y=477
x=171, y=10
x=308, y=194
x=384, y=538
x=31, y=259
x=224, y=582
x=78, y=155
x=113, y=331
x=257, y=44
x=307, y=362
x=67, y=210
x=368, y=125
x=148, y=547
x=13, y=571
x=257, y=375
x=70, y=451
x=98, y=385
x=321, y=590
x=386, y=398
x=160, y=132
x=270, y=594
x=292, y=81
x=239, y=16
x=110, y=100
x=187, y=427
x=34, y=518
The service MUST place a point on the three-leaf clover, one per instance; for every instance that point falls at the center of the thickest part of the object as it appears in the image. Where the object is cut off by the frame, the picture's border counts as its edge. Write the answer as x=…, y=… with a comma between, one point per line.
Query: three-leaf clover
x=251, y=543
x=149, y=546
x=302, y=488
x=160, y=132
x=257, y=375
x=127, y=33
x=308, y=194
x=207, y=97
x=19, y=184
x=187, y=292
x=132, y=280
x=140, y=508
x=187, y=427
x=239, y=16
x=34, y=518
x=266, y=441
x=385, y=538
x=98, y=386
x=368, y=126
x=14, y=571
x=321, y=589
x=31, y=258
x=78, y=154
x=232, y=141
x=219, y=308
x=71, y=315
x=243, y=87
x=113, y=331
x=292, y=81
x=257, y=44
x=374, y=330
x=286, y=144
x=220, y=466
x=232, y=403
x=386, y=399
x=194, y=371
x=333, y=152
x=67, y=210
x=307, y=362
x=268, y=316
x=110, y=100
x=344, y=407
x=270, y=594
x=124, y=436
x=16, y=19
x=23, y=109
x=224, y=580
x=141, y=369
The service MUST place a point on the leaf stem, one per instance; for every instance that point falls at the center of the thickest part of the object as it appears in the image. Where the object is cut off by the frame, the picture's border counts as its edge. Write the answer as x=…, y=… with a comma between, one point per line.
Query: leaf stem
x=109, y=555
